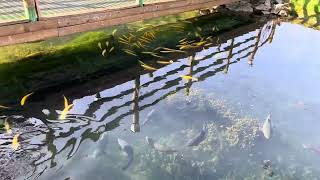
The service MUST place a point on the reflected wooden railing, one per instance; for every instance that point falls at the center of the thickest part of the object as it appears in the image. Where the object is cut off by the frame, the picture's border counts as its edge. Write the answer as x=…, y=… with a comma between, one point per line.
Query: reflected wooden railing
x=69, y=135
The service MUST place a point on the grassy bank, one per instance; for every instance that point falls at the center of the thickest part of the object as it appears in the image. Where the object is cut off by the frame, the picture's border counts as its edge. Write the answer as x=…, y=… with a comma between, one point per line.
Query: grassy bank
x=308, y=12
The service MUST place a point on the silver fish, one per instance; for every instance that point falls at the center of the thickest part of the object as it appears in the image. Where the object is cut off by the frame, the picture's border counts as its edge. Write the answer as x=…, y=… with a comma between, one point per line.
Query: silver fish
x=126, y=148
x=197, y=139
x=148, y=117
x=266, y=128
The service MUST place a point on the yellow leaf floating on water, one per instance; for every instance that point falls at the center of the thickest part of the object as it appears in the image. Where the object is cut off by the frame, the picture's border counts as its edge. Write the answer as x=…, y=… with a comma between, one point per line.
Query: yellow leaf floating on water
x=189, y=78
x=15, y=142
x=24, y=99
x=66, y=109
x=7, y=126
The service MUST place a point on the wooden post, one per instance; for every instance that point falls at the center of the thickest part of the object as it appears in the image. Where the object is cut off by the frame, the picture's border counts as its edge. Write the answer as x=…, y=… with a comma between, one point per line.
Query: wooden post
x=30, y=10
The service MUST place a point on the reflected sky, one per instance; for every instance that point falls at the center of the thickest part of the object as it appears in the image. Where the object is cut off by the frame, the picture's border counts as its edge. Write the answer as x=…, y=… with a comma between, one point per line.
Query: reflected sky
x=269, y=69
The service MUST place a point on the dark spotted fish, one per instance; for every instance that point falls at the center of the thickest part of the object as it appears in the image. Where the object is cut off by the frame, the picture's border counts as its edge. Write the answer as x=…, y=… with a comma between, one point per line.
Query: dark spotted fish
x=197, y=139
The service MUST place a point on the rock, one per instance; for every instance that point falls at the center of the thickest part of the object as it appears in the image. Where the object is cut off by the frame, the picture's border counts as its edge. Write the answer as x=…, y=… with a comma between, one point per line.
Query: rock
x=240, y=6
x=281, y=9
x=266, y=6
x=283, y=13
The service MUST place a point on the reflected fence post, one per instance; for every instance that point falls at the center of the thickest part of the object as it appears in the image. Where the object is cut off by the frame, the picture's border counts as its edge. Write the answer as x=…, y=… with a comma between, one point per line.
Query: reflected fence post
x=135, y=126
x=31, y=9
x=189, y=83
x=274, y=25
x=229, y=56
x=256, y=46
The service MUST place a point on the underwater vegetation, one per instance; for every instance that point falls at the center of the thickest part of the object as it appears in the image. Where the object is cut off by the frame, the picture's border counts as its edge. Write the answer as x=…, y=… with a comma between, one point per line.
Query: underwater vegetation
x=234, y=148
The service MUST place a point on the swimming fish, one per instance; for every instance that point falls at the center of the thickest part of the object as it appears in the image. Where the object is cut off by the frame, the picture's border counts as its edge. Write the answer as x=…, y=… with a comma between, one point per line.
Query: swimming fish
x=159, y=147
x=24, y=99
x=147, y=67
x=66, y=109
x=150, y=141
x=15, y=142
x=7, y=126
x=165, y=62
x=266, y=128
x=128, y=150
x=128, y=51
x=313, y=148
x=197, y=139
x=114, y=32
x=148, y=117
x=99, y=45
x=189, y=78
x=4, y=107
x=104, y=52
x=111, y=49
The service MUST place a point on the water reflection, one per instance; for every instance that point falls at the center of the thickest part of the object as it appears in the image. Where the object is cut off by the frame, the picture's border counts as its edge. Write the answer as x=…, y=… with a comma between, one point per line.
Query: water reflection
x=57, y=144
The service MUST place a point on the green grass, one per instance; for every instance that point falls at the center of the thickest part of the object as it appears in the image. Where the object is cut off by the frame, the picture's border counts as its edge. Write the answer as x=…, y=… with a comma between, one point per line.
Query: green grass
x=307, y=12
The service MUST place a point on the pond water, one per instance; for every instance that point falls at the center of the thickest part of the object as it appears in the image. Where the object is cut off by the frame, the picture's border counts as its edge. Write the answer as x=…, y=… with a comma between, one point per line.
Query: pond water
x=219, y=98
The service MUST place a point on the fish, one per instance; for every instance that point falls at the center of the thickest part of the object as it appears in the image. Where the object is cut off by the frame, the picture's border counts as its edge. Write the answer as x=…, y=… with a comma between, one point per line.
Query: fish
x=165, y=62
x=24, y=99
x=197, y=139
x=66, y=109
x=107, y=43
x=15, y=142
x=104, y=52
x=128, y=51
x=111, y=49
x=114, y=32
x=266, y=127
x=150, y=142
x=7, y=126
x=147, y=67
x=159, y=147
x=167, y=50
x=99, y=45
x=148, y=117
x=313, y=148
x=189, y=78
x=128, y=150
x=4, y=107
